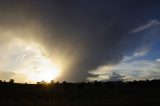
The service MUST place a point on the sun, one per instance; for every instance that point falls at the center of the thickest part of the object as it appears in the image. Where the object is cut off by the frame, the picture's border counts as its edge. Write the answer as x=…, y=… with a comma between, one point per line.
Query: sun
x=44, y=69
x=46, y=73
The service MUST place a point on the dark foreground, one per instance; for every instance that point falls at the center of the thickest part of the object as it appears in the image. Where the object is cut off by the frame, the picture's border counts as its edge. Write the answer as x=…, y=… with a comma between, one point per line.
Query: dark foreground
x=143, y=93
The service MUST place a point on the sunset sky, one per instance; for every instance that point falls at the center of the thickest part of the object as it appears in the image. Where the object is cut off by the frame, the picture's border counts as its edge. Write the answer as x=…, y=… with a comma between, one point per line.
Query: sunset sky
x=79, y=40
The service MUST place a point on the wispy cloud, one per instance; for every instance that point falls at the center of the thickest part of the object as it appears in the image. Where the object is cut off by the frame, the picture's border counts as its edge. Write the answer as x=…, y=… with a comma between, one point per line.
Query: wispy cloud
x=146, y=26
x=141, y=52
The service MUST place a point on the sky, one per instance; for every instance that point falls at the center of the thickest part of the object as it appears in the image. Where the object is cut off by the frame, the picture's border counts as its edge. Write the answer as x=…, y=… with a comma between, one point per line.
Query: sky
x=79, y=40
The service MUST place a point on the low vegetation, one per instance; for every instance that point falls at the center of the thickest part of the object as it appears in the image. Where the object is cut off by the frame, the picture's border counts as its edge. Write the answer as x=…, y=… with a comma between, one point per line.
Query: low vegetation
x=80, y=94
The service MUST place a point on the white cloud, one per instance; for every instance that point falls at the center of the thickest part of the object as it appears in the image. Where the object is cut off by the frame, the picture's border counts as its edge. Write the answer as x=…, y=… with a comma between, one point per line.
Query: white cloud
x=158, y=60
x=25, y=62
x=141, y=52
x=132, y=69
x=146, y=26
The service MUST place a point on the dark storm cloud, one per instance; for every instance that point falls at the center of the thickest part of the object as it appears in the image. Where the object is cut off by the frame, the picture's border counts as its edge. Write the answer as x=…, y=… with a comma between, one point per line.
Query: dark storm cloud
x=94, y=31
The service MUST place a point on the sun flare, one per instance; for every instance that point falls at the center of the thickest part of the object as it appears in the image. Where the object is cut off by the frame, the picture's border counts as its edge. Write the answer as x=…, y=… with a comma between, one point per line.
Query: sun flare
x=47, y=72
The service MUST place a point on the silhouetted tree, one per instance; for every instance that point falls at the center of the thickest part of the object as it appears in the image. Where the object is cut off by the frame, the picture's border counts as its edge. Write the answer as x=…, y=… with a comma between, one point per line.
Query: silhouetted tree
x=52, y=82
x=38, y=83
x=44, y=82
x=11, y=81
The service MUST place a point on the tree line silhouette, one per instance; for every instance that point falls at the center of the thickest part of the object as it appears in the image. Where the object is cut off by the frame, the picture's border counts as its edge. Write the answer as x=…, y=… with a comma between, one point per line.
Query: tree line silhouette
x=64, y=84
x=94, y=93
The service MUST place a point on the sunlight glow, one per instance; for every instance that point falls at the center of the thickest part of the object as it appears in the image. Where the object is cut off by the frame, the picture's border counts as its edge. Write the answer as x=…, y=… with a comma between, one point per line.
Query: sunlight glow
x=46, y=73
x=43, y=69
x=28, y=62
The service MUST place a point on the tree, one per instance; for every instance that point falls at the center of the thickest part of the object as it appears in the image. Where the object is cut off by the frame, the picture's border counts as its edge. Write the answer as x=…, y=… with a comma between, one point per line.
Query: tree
x=11, y=81
x=52, y=82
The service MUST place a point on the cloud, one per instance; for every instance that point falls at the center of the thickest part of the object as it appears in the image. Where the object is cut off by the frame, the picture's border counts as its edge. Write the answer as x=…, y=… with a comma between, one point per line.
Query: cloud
x=6, y=75
x=25, y=62
x=158, y=60
x=131, y=68
x=107, y=77
x=141, y=52
x=148, y=25
x=116, y=77
x=77, y=35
